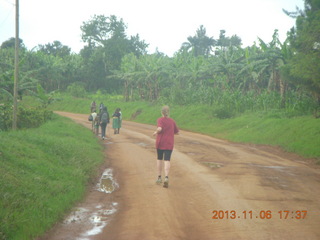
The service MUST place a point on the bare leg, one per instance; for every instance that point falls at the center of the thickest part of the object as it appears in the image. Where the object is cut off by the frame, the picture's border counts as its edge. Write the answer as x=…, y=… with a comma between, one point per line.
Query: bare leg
x=166, y=168
x=159, y=167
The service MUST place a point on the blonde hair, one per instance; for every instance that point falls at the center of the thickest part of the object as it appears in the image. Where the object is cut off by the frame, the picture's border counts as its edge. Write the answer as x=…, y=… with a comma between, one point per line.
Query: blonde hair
x=165, y=111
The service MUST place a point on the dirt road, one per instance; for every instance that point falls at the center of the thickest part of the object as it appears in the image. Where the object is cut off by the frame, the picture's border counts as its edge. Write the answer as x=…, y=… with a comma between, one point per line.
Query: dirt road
x=218, y=190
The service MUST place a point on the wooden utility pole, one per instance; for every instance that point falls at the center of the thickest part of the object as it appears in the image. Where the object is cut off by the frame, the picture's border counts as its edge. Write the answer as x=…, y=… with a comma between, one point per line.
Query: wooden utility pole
x=16, y=70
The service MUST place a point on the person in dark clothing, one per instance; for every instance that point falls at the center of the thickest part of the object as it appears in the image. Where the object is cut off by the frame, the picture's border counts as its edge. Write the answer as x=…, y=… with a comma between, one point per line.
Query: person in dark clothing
x=104, y=120
x=101, y=106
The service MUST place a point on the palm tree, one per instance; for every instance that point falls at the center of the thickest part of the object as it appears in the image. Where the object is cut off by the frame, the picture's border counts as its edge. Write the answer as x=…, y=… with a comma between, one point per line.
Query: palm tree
x=200, y=44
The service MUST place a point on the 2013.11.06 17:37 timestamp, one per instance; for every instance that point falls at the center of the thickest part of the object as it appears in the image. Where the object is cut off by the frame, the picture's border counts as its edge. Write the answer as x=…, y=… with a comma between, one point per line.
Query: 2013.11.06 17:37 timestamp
x=262, y=214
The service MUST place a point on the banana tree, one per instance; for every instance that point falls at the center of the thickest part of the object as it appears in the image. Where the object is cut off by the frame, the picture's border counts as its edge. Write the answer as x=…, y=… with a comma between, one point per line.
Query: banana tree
x=190, y=70
x=27, y=81
x=155, y=69
x=129, y=73
x=249, y=74
x=228, y=64
x=275, y=55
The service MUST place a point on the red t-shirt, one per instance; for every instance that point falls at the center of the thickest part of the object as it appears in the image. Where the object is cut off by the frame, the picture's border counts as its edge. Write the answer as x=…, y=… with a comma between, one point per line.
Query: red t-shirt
x=165, y=139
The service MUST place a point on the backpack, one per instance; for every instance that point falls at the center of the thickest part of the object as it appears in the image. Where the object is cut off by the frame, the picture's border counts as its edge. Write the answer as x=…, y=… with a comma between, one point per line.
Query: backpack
x=105, y=117
x=90, y=118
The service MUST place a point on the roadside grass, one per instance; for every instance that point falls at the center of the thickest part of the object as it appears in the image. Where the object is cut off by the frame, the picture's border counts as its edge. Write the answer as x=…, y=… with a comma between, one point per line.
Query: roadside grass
x=43, y=173
x=300, y=135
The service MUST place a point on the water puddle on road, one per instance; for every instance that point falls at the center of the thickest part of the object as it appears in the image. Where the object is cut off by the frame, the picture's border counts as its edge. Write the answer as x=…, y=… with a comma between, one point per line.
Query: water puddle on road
x=278, y=168
x=107, y=184
x=142, y=144
x=99, y=220
x=212, y=164
x=92, y=218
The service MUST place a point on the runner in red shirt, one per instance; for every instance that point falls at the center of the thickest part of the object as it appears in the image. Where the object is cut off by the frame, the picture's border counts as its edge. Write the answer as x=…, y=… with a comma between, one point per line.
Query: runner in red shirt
x=166, y=128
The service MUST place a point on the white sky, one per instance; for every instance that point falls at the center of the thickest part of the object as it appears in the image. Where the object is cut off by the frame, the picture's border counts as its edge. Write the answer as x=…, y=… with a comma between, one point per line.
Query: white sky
x=164, y=24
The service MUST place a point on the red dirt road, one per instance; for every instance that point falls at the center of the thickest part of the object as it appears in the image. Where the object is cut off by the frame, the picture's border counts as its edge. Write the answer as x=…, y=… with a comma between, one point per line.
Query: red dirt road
x=254, y=192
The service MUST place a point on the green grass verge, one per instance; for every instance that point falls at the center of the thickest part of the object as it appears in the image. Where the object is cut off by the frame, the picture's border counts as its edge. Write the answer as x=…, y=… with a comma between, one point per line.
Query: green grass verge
x=43, y=172
x=300, y=135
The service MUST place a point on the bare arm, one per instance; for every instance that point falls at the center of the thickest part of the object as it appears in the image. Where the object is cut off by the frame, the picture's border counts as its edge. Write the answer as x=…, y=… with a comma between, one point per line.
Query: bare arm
x=159, y=129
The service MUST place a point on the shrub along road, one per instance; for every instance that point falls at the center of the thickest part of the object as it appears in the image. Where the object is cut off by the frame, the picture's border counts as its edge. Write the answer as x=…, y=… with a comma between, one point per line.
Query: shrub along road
x=218, y=190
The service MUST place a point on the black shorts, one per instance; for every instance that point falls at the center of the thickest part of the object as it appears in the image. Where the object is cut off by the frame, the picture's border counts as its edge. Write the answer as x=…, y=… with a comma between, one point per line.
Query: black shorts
x=164, y=154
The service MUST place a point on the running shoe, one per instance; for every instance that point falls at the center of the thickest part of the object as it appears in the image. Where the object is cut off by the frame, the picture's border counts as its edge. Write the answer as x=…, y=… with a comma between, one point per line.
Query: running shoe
x=159, y=180
x=166, y=182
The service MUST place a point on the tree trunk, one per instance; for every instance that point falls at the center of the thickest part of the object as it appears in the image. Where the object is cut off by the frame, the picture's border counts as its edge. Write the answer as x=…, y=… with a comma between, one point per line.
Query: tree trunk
x=316, y=111
x=283, y=90
x=16, y=71
x=126, y=92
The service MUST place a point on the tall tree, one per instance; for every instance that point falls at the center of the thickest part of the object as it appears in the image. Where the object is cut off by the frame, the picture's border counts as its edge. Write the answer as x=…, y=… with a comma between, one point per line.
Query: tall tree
x=101, y=28
x=108, y=35
x=305, y=40
x=56, y=49
x=225, y=42
x=10, y=43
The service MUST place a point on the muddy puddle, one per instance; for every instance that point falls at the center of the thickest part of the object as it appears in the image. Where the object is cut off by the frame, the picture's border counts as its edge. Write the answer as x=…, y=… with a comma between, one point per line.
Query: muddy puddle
x=212, y=164
x=276, y=168
x=91, y=219
x=107, y=184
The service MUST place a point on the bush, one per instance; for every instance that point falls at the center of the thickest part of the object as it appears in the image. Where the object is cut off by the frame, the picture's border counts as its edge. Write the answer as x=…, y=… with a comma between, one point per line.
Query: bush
x=77, y=90
x=26, y=118
x=223, y=113
x=31, y=118
x=5, y=117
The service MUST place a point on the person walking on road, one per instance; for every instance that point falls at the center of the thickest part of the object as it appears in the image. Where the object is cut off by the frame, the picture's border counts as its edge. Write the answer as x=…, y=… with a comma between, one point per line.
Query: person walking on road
x=166, y=129
x=104, y=120
x=116, y=121
x=101, y=107
x=94, y=115
x=120, y=120
x=93, y=106
x=96, y=123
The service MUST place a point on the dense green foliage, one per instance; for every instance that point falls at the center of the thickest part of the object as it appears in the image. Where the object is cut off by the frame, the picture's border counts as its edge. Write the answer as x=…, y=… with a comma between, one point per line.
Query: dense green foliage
x=42, y=174
x=305, y=41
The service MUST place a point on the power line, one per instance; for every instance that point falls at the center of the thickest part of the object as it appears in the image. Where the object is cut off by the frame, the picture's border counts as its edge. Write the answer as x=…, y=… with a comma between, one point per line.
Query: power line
x=6, y=18
x=9, y=12
x=9, y=2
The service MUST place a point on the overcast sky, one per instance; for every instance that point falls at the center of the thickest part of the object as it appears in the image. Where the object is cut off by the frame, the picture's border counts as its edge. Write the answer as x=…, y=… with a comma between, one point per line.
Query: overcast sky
x=164, y=24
